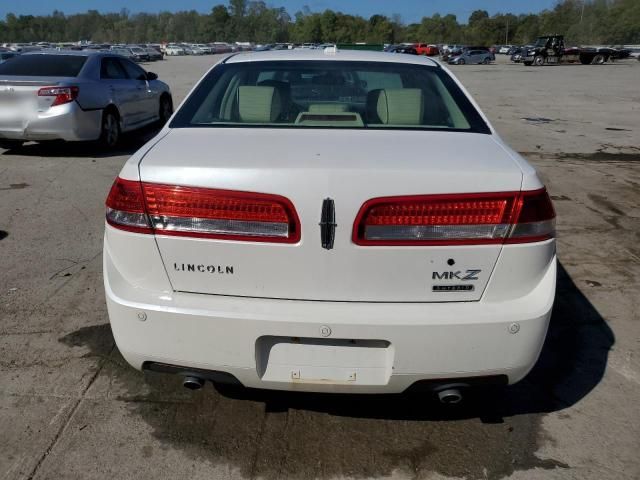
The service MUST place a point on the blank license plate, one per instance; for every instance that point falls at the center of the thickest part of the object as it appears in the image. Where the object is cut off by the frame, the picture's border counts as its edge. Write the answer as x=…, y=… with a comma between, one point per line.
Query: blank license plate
x=309, y=360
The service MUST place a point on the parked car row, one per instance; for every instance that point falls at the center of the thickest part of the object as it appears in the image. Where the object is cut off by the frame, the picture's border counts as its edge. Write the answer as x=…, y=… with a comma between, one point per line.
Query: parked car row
x=461, y=54
x=180, y=49
x=23, y=47
x=274, y=46
x=414, y=49
x=408, y=49
x=553, y=47
x=452, y=54
x=137, y=53
x=143, y=52
x=503, y=49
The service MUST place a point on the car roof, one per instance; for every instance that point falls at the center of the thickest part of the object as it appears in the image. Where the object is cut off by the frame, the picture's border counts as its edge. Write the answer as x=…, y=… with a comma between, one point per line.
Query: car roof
x=328, y=54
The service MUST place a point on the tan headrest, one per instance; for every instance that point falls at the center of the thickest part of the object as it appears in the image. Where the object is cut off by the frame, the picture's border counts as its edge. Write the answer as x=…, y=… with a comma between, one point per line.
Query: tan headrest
x=400, y=106
x=259, y=104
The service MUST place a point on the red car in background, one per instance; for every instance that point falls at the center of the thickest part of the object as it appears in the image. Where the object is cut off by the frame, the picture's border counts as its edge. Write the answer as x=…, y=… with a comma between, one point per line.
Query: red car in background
x=426, y=49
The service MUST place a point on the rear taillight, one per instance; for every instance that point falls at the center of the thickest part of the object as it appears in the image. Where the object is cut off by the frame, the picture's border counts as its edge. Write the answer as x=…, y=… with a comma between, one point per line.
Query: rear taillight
x=535, y=218
x=202, y=212
x=125, y=207
x=62, y=94
x=462, y=219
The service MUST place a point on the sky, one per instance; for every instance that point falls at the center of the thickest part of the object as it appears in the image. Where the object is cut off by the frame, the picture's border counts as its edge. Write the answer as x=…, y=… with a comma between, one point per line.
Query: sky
x=409, y=10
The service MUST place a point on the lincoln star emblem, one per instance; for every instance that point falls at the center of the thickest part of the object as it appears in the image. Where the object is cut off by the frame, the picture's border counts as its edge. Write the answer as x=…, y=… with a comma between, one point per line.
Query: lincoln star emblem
x=328, y=224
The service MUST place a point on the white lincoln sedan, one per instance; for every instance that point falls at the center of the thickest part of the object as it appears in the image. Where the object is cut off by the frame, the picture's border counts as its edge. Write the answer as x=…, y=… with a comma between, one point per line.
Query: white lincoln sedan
x=331, y=222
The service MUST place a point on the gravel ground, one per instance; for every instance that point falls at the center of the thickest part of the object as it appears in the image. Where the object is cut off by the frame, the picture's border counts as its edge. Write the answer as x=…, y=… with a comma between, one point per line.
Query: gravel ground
x=71, y=408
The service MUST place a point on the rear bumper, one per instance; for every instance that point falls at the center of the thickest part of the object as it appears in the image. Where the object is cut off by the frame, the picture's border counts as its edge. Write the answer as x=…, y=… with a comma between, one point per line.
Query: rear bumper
x=395, y=344
x=64, y=122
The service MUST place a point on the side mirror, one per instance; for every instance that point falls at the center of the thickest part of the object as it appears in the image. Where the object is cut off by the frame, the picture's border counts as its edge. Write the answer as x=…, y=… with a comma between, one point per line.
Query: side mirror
x=152, y=76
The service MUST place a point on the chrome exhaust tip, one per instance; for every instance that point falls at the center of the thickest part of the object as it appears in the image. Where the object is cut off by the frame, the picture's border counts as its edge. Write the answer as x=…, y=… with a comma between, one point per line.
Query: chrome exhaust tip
x=193, y=383
x=450, y=396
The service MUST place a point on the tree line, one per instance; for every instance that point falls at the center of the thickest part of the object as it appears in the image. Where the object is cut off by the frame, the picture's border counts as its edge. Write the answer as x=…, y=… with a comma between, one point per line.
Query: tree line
x=581, y=21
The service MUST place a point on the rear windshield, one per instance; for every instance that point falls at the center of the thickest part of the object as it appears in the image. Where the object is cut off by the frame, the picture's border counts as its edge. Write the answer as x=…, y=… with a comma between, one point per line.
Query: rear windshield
x=44, y=65
x=329, y=94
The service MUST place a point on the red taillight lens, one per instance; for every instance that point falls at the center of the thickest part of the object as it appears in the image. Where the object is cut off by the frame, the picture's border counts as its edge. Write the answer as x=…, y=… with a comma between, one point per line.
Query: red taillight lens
x=536, y=218
x=62, y=94
x=205, y=213
x=125, y=207
x=464, y=219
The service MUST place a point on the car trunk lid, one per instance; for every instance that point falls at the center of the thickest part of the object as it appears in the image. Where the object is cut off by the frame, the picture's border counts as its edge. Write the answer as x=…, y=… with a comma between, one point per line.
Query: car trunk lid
x=348, y=167
x=19, y=99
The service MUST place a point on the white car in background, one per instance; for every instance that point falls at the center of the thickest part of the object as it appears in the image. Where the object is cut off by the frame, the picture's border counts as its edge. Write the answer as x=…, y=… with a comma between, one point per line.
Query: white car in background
x=196, y=49
x=330, y=222
x=174, y=50
x=206, y=49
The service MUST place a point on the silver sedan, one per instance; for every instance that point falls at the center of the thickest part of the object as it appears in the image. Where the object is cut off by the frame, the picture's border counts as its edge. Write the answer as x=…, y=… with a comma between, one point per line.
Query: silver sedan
x=472, y=57
x=77, y=96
